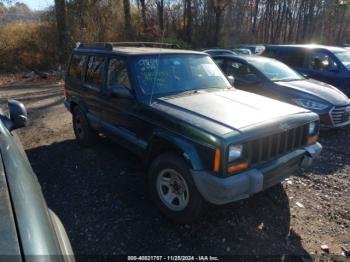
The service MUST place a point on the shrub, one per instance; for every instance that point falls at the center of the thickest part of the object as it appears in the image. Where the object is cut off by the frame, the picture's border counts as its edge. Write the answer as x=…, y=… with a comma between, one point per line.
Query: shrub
x=27, y=46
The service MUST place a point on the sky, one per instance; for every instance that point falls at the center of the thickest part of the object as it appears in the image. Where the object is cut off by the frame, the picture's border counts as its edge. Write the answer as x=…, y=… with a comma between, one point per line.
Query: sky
x=37, y=4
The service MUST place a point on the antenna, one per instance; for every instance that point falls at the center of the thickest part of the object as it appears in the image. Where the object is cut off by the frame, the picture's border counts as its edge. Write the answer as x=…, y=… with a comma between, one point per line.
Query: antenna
x=157, y=71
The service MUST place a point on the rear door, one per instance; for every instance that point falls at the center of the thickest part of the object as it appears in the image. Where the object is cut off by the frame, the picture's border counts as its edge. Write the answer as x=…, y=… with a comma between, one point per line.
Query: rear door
x=94, y=79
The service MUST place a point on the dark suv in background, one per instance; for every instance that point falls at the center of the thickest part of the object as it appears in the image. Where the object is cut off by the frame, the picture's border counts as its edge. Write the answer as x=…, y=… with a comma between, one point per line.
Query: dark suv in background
x=29, y=230
x=324, y=63
x=201, y=139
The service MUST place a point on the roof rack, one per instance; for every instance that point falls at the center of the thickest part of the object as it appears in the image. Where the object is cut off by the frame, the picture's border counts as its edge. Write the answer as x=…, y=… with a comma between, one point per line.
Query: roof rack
x=95, y=45
x=109, y=45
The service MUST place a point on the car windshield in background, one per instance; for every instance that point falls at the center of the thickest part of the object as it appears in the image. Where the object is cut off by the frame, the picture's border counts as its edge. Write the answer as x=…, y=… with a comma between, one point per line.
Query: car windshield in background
x=161, y=75
x=276, y=71
x=344, y=57
x=212, y=53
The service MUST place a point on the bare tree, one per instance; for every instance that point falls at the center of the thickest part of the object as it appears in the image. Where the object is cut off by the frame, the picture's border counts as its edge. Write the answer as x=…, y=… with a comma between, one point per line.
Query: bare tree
x=128, y=30
x=160, y=11
x=188, y=20
x=143, y=15
x=60, y=8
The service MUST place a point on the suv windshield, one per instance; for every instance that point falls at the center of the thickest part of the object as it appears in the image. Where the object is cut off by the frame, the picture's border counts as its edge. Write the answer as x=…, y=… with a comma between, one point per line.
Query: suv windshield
x=344, y=58
x=161, y=75
x=276, y=71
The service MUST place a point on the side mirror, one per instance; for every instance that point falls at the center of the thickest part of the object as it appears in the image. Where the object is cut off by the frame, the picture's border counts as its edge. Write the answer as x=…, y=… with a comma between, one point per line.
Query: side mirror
x=121, y=91
x=18, y=114
x=231, y=80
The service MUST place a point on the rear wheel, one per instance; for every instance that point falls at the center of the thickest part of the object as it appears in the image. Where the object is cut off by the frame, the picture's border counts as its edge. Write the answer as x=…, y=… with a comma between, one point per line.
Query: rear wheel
x=84, y=134
x=172, y=189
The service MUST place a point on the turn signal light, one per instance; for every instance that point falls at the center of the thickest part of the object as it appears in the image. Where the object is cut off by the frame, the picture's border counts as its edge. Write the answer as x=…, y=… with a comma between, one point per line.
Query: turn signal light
x=217, y=160
x=312, y=140
x=238, y=167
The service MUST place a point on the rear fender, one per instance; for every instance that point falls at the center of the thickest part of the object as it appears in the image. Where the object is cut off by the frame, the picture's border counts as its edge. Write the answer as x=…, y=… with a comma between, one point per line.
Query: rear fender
x=77, y=101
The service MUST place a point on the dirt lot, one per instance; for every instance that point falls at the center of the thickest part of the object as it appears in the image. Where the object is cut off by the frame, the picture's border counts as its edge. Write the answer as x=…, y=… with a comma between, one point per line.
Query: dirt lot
x=100, y=196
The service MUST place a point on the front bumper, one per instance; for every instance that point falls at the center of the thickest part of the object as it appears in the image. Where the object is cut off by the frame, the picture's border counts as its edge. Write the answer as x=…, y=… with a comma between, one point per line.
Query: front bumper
x=219, y=191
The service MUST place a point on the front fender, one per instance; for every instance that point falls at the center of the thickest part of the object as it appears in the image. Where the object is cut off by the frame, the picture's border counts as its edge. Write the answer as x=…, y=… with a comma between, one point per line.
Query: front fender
x=184, y=145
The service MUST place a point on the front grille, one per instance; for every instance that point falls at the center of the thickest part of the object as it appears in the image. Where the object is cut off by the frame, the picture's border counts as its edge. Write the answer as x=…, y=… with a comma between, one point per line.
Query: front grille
x=269, y=147
x=340, y=115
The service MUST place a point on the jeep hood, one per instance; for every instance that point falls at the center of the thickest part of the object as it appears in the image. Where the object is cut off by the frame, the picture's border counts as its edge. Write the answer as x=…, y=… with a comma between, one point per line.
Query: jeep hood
x=230, y=109
x=318, y=89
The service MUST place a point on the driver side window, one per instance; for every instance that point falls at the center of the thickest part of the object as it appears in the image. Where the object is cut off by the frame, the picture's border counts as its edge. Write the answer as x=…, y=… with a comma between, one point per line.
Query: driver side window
x=321, y=61
x=118, y=73
x=240, y=71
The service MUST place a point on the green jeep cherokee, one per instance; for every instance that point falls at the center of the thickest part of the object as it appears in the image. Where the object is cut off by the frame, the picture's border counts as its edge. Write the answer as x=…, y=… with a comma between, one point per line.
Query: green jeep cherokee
x=203, y=140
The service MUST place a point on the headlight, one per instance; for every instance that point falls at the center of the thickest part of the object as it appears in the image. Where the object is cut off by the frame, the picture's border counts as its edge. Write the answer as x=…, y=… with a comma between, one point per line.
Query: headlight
x=235, y=152
x=310, y=104
x=312, y=128
x=313, y=133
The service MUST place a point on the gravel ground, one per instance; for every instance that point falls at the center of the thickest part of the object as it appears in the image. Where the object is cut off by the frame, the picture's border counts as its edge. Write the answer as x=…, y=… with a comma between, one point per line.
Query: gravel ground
x=99, y=194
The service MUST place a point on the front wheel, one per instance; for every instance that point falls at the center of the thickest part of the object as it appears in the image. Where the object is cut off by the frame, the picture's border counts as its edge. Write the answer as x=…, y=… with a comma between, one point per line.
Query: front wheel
x=172, y=189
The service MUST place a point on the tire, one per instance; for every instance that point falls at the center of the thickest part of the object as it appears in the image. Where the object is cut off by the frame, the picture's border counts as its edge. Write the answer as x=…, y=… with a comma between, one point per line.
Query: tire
x=169, y=178
x=84, y=134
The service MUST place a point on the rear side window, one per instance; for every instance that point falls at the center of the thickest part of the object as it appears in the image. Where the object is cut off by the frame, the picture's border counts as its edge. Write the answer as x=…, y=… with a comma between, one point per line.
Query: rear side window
x=75, y=71
x=271, y=52
x=94, y=72
x=290, y=56
x=294, y=58
x=118, y=73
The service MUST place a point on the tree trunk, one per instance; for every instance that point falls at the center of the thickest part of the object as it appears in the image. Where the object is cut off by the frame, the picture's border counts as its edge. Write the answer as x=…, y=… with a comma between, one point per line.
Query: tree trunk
x=143, y=14
x=188, y=14
x=255, y=16
x=127, y=20
x=60, y=7
x=160, y=9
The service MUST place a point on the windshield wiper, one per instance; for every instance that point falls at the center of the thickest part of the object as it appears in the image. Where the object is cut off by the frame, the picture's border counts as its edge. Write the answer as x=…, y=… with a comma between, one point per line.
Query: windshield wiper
x=288, y=80
x=215, y=87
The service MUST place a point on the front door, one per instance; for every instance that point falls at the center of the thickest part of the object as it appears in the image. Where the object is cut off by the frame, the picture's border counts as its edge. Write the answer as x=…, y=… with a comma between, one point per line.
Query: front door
x=122, y=116
x=322, y=67
x=245, y=76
